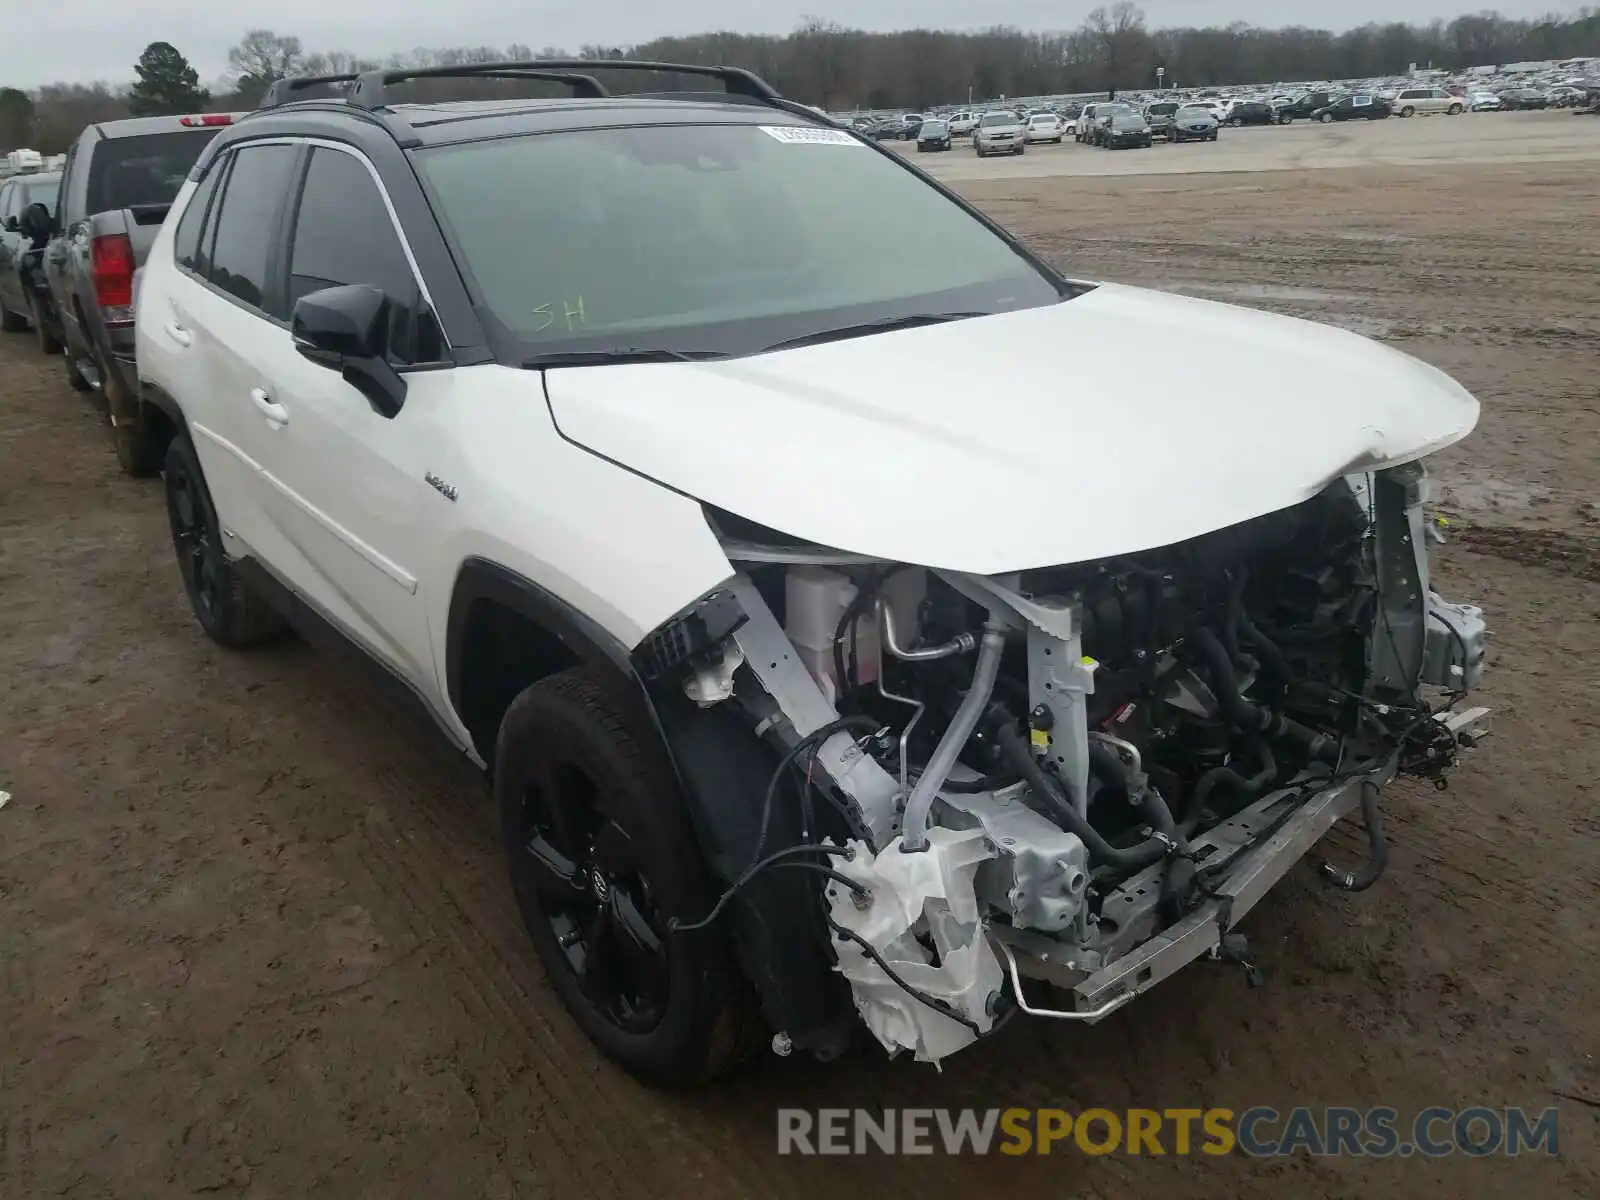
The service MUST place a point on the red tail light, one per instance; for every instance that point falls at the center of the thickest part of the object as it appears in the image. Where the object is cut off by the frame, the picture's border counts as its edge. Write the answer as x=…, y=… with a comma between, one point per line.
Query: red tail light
x=111, y=264
x=202, y=119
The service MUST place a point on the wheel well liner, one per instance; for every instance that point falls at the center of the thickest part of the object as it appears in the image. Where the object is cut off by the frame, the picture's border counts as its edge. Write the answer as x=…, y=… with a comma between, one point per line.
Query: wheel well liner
x=505, y=632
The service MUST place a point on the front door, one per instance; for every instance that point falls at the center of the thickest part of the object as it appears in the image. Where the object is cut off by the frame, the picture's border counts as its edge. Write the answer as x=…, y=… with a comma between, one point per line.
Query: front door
x=349, y=489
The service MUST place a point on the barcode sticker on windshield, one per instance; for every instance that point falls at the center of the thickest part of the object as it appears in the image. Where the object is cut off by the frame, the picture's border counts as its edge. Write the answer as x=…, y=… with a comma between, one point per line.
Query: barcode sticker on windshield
x=797, y=135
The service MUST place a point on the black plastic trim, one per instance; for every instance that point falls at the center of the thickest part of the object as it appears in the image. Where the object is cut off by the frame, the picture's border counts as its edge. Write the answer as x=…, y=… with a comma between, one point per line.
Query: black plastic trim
x=329, y=639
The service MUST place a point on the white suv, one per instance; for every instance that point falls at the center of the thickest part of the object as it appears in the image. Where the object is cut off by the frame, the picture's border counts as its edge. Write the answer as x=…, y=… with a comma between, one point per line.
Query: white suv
x=834, y=666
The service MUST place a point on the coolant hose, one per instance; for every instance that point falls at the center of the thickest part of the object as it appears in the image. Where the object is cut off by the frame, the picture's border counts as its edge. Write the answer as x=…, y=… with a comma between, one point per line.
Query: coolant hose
x=1217, y=776
x=1252, y=718
x=914, y=828
x=1101, y=851
x=1378, y=852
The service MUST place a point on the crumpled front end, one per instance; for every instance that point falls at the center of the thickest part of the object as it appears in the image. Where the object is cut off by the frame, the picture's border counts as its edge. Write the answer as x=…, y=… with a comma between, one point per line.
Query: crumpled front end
x=1081, y=778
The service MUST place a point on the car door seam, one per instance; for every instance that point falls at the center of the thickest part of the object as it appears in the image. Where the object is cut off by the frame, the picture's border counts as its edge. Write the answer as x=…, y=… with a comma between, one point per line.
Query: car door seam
x=393, y=570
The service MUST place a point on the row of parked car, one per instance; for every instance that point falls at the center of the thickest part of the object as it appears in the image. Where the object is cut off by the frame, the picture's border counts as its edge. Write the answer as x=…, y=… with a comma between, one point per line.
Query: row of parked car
x=1009, y=130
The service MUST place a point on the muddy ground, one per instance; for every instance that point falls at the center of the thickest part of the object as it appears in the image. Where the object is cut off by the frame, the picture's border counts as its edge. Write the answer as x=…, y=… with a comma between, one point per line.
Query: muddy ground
x=258, y=941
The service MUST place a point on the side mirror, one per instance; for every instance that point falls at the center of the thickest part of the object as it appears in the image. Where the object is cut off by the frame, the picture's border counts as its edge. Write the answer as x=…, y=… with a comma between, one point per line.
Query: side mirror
x=35, y=223
x=13, y=225
x=346, y=329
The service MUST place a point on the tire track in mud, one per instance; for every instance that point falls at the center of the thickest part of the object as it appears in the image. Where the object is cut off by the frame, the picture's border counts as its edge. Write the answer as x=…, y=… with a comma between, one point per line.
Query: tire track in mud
x=1567, y=551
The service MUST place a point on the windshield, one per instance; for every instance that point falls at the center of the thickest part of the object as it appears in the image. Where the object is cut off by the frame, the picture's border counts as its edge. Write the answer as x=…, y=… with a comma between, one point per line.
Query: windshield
x=992, y=119
x=1126, y=120
x=1043, y=120
x=146, y=169
x=710, y=238
x=1194, y=110
x=1162, y=110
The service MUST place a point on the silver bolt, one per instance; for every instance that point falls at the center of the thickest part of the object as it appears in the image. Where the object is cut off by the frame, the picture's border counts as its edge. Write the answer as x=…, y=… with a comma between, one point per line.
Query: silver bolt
x=781, y=1045
x=862, y=899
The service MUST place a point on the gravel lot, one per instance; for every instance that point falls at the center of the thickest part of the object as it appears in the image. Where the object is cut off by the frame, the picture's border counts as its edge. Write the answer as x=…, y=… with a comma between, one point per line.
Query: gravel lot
x=258, y=940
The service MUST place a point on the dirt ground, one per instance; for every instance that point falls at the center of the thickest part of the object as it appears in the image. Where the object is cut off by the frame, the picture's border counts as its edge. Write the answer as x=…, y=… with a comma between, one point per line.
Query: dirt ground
x=257, y=939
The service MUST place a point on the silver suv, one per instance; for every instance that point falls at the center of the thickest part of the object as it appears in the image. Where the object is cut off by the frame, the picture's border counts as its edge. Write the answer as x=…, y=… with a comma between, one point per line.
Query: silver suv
x=999, y=132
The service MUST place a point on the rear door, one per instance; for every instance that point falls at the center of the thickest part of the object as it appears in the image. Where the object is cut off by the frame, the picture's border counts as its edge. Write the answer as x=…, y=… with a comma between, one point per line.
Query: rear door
x=348, y=485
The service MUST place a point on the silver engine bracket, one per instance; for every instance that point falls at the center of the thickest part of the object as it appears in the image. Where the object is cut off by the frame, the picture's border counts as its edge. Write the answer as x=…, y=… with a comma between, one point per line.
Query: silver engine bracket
x=1039, y=871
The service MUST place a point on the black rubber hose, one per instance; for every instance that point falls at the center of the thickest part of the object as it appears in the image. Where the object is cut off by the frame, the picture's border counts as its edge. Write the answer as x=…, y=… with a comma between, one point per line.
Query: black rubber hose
x=1270, y=651
x=1216, y=777
x=1224, y=685
x=1100, y=851
x=1378, y=853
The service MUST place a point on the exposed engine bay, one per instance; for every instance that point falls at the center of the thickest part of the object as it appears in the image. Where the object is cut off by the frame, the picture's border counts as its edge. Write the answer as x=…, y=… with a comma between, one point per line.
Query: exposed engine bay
x=1082, y=775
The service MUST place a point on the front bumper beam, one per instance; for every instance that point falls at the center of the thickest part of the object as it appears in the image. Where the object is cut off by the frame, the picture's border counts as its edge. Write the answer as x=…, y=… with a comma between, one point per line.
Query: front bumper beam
x=1256, y=869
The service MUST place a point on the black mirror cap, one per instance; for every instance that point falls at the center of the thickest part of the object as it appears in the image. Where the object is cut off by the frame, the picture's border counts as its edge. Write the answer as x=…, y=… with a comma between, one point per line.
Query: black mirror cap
x=351, y=321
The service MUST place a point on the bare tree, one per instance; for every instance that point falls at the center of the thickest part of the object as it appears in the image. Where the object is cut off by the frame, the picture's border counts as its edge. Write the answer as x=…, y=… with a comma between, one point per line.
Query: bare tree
x=260, y=59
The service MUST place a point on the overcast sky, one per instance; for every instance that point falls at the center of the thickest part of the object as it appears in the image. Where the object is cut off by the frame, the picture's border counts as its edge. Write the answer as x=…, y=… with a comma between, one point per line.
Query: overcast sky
x=85, y=40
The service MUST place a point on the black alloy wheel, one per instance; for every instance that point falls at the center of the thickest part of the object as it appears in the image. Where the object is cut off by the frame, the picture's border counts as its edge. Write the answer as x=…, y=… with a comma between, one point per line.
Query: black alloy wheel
x=195, y=538
x=602, y=859
x=592, y=892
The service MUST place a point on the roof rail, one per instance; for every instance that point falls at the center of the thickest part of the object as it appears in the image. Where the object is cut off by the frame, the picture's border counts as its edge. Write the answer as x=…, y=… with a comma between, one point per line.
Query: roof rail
x=282, y=90
x=372, y=88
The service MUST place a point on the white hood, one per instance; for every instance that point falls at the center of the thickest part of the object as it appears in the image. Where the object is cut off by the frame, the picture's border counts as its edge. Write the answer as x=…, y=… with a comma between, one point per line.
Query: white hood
x=1115, y=422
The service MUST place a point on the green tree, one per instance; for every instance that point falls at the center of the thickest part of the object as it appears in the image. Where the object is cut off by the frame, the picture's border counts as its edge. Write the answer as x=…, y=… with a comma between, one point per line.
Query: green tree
x=16, y=119
x=166, y=83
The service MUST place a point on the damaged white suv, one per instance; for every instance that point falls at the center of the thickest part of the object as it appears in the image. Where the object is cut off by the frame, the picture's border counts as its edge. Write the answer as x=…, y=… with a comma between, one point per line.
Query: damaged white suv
x=842, y=652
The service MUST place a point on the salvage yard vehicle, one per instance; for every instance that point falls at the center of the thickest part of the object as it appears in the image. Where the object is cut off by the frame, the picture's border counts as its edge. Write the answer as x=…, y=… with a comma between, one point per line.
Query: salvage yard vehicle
x=1194, y=123
x=830, y=663
x=1357, y=106
x=934, y=134
x=999, y=132
x=1408, y=102
x=24, y=295
x=116, y=188
x=1160, y=116
x=1123, y=130
x=1044, y=127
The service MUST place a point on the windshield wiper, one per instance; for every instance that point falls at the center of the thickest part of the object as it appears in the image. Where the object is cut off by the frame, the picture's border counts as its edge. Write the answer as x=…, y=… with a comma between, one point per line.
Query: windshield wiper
x=609, y=357
x=881, y=325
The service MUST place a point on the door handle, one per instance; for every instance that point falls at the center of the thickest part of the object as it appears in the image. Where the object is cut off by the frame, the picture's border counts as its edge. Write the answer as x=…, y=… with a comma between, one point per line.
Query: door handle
x=179, y=334
x=275, y=413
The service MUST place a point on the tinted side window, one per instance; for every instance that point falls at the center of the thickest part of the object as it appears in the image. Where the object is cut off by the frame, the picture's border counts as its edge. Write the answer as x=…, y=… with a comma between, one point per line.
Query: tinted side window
x=343, y=234
x=246, y=224
x=186, y=242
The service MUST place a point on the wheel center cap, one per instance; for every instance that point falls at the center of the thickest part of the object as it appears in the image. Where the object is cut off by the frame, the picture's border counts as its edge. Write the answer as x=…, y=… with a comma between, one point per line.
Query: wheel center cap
x=602, y=890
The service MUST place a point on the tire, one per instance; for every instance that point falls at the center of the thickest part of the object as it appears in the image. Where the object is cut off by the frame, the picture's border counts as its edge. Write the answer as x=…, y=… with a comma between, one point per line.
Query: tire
x=1326, y=118
x=231, y=613
x=1235, y=122
x=11, y=322
x=1408, y=111
x=75, y=377
x=601, y=854
x=140, y=449
x=49, y=343
x=1453, y=111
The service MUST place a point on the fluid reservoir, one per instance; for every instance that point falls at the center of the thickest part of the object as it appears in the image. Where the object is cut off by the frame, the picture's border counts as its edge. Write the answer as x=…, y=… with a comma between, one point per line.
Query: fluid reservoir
x=815, y=602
